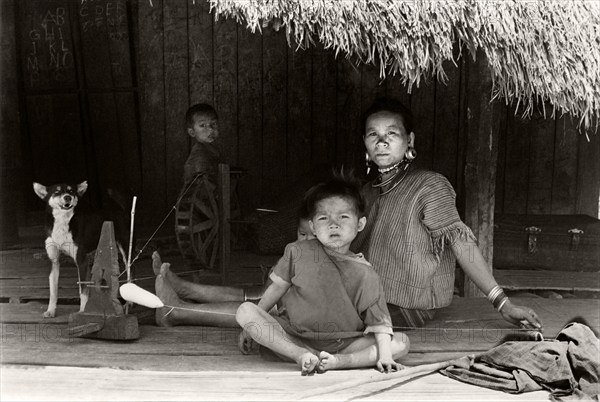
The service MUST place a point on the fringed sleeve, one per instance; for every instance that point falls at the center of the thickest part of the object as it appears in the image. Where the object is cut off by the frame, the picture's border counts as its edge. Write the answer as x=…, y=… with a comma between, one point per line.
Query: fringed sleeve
x=449, y=235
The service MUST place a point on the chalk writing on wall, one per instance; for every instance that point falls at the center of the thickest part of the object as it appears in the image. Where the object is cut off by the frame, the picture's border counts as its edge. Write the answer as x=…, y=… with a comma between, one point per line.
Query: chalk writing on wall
x=49, y=49
x=105, y=15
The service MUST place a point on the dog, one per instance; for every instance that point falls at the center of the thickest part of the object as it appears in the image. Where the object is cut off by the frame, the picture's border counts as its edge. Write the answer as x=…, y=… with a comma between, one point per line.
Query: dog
x=73, y=229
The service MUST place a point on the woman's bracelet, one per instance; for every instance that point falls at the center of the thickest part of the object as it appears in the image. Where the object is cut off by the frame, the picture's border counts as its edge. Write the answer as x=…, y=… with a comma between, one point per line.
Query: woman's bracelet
x=497, y=297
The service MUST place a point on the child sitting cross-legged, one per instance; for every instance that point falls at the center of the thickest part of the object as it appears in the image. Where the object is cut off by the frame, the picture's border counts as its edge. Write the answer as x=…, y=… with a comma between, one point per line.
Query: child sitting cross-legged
x=332, y=310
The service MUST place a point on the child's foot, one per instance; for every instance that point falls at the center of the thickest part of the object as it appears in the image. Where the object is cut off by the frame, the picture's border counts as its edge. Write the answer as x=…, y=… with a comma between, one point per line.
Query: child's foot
x=165, y=315
x=327, y=361
x=308, y=363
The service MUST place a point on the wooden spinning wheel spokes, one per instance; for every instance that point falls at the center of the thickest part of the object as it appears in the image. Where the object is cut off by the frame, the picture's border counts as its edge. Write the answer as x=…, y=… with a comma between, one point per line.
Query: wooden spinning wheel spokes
x=197, y=223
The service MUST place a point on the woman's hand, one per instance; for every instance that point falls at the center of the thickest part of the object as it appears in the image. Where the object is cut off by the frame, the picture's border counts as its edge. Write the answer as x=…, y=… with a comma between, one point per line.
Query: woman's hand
x=522, y=316
x=388, y=365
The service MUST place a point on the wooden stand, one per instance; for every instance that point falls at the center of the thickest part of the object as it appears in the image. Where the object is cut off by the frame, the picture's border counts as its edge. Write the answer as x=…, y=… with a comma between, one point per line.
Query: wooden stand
x=103, y=317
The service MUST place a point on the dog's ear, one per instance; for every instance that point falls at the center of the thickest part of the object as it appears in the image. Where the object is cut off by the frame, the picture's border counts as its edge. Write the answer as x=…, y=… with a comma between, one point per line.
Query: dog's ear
x=40, y=190
x=81, y=188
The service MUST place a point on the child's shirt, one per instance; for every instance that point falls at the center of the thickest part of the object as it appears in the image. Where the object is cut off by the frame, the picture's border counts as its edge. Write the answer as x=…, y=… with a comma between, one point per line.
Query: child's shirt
x=203, y=157
x=331, y=294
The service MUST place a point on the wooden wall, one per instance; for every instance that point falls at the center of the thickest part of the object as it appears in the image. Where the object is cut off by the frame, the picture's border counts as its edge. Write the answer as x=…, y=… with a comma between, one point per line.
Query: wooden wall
x=135, y=68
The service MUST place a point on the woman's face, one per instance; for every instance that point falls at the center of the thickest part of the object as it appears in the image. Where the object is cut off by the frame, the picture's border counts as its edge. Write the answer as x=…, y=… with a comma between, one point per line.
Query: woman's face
x=386, y=138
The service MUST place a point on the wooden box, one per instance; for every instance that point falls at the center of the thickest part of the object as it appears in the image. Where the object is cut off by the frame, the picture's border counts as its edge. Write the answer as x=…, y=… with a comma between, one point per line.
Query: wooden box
x=547, y=242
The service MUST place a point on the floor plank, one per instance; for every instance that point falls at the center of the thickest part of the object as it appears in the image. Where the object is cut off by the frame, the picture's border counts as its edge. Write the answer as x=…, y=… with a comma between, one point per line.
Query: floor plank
x=548, y=280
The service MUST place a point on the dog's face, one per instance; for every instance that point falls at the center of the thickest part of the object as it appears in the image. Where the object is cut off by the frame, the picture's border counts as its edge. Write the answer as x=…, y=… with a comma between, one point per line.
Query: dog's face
x=60, y=196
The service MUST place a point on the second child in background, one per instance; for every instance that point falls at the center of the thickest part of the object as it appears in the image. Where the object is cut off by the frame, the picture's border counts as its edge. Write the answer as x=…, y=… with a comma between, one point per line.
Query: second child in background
x=202, y=124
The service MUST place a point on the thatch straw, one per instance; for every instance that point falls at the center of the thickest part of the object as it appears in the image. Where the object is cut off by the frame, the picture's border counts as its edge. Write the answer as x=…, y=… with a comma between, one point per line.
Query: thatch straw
x=547, y=50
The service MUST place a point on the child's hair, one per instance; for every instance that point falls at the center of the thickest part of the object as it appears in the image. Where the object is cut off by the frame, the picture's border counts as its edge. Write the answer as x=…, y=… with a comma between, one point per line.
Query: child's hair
x=392, y=105
x=342, y=185
x=199, y=108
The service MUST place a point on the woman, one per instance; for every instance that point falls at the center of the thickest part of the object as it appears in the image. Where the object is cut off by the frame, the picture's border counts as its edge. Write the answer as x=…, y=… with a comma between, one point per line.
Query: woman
x=414, y=235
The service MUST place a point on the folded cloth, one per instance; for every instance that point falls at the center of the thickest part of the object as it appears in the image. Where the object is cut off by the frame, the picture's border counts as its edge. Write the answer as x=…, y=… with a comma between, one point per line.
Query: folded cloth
x=568, y=367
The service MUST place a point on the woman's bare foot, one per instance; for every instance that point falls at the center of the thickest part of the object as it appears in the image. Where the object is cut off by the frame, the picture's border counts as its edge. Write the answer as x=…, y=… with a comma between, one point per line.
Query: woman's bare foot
x=165, y=315
x=308, y=363
x=181, y=287
x=156, y=262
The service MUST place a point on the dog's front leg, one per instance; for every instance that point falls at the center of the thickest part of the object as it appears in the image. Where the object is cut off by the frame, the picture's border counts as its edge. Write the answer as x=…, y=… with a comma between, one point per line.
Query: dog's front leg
x=53, y=254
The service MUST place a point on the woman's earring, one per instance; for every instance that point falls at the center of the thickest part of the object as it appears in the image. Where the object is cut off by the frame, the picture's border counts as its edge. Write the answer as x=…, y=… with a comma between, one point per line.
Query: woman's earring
x=368, y=162
x=410, y=154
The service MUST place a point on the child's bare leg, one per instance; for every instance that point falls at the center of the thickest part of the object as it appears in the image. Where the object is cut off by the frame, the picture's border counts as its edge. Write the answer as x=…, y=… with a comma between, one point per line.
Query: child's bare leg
x=265, y=330
x=214, y=314
x=195, y=291
x=362, y=353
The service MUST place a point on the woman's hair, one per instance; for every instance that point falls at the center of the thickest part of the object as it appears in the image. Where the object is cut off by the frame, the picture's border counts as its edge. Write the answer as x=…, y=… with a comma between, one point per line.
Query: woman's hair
x=199, y=108
x=342, y=185
x=391, y=105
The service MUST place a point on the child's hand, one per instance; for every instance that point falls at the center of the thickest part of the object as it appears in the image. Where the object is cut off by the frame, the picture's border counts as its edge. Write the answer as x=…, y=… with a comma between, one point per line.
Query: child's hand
x=388, y=365
x=245, y=343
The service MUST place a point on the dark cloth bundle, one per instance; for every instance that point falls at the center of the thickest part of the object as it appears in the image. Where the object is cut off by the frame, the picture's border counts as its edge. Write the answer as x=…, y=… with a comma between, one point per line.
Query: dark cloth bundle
x=568, y=367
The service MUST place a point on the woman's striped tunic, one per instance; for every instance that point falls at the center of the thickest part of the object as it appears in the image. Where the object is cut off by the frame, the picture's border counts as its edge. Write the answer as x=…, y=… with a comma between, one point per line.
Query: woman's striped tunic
x=406, y=239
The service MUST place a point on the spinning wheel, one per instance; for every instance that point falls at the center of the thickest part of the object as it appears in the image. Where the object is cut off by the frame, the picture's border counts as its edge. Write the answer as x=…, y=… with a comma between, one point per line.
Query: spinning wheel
x=202, y=218
x=197, y=223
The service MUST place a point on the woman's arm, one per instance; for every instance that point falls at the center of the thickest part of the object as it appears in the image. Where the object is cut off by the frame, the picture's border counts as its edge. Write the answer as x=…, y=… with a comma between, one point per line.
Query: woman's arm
x=475, y=267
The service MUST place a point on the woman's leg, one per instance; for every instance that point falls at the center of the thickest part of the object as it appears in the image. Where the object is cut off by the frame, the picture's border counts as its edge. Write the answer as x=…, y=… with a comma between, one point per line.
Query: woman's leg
x=362, y=353
x=265, y=330
x=195, y=291
x=213, y=314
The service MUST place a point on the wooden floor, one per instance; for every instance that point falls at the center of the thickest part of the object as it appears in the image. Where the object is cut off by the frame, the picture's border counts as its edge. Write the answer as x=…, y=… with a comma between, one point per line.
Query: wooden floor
x=39, y=361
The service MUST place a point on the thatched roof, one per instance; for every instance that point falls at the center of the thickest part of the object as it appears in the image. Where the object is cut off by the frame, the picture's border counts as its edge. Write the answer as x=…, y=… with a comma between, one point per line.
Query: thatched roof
x=543, y=51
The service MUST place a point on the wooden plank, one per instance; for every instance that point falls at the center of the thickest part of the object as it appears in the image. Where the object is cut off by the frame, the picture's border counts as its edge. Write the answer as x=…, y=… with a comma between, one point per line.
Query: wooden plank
x=539, y=191
x=117, y=15
x=55, y=132
x=395, y=89
x=299, y=85
x=516, y=164
x=564, y=179
x=349, y=145
x=95, y=49
x=200, y=44
x=11, y=160
x=46, y=43
x=225, y=85
x=31, y=313
x=324, y=118
x=480, y=163
x=548, y=280
x=251, y=383
x=274, y=106
x=250, y=113
x=130, y=142
x=224, y=205
x=152, y=107
x=422, y=103
x=500, y=166
x=588, y=175
x=447, y=114
x=372, y=86
x=107, y=141
x=176, y=94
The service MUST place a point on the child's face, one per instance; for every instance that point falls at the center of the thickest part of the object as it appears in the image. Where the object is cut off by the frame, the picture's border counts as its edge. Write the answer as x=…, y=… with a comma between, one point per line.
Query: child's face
x=386, y=138
x=205, y=128
x=304, y=231
x=336, y=223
